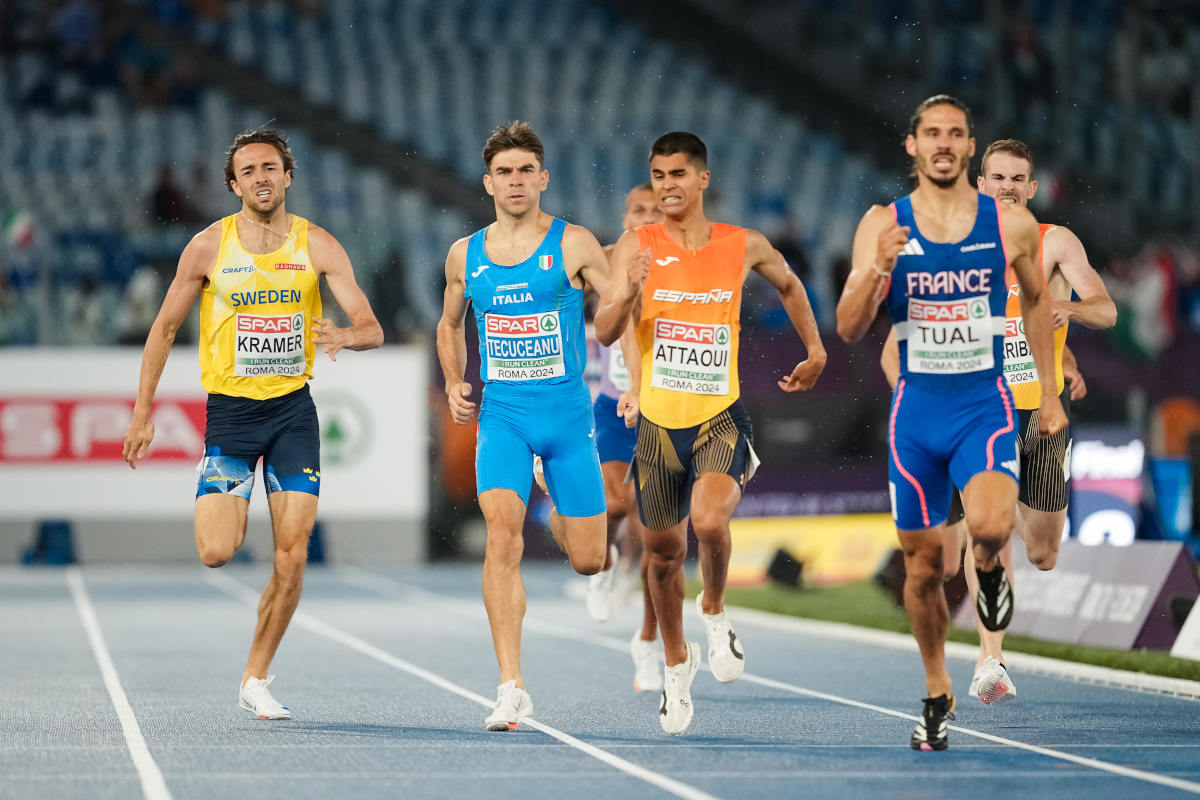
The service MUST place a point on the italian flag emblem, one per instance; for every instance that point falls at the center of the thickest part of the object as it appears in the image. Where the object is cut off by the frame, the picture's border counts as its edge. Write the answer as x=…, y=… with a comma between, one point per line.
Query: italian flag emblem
x=545, y=262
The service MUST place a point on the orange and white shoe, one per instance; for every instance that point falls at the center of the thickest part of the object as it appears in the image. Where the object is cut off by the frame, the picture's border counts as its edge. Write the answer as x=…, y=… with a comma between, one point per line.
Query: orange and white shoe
x=512, y=706
x=991, y=683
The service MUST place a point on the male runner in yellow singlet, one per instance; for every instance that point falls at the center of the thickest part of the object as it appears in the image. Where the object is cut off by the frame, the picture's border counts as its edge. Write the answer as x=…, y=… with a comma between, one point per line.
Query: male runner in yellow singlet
x=257, y=274
x=693, y=454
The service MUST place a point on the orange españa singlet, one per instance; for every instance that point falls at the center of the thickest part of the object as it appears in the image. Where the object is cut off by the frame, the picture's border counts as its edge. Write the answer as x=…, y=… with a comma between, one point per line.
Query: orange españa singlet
x=1019, y=368
x=688, y=331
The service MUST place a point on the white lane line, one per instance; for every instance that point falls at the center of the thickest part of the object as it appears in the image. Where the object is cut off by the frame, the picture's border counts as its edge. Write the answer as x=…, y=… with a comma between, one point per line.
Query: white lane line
x=1023, y=662
x=240, y=592
x=367, y=579
x=153, y=785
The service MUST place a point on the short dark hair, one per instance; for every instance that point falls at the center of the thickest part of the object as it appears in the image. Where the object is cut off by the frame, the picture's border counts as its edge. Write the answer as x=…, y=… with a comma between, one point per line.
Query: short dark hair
x=1014, y=147
x=940, y=100
x=516, y=135
x=681, y=142
x=260, y=135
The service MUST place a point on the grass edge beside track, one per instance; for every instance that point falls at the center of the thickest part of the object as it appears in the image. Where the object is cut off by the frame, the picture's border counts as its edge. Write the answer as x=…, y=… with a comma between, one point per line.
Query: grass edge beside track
x=866, y=604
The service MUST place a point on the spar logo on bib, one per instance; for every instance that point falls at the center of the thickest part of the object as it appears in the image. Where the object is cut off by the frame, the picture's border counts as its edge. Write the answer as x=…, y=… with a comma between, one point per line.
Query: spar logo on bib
x=524, y=347
x=691, y=357
x=269, y=345
x=949, y=336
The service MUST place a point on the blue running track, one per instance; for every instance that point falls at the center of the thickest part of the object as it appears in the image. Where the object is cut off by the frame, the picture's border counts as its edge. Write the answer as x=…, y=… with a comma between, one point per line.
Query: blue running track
x=121, y=683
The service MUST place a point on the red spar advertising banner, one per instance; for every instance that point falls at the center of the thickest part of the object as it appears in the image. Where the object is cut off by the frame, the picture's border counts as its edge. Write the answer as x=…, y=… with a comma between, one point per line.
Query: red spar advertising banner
x=43, y=430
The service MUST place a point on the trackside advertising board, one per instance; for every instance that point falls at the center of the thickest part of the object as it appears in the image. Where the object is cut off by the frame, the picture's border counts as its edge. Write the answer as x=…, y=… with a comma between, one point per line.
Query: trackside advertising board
x=64, y=412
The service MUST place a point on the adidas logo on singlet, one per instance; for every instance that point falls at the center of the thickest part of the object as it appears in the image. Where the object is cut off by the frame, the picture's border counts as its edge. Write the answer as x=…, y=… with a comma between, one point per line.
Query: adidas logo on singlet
x=912, y=248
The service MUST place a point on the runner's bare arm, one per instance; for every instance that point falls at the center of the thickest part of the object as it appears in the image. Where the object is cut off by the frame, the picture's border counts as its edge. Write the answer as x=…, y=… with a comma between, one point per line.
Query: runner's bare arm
x=628, y=405
x=1021, y=239
x=877, y=243
x=330, y=260
x=1095, y=309
x=452, y=336
x=622, y=298
x=889, y=359
x=770, y=264
x=195, y=263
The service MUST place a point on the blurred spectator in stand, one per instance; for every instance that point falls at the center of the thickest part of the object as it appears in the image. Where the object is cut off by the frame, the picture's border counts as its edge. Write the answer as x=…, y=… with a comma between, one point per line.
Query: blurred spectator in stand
x=84, y=314
x=389, y=298
x=17, y=323
x=208, y=195
x=169, y=202
x=139, y=305
x=1145, y=289
x=76, y=30
x=762, y=301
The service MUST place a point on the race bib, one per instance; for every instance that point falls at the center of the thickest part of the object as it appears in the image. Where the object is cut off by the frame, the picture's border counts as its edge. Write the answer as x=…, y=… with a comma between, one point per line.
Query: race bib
x=948, y=337
x=527, y=347
x=1018, y=358
x=268, y=345
x=618, y=372
x=691, y=357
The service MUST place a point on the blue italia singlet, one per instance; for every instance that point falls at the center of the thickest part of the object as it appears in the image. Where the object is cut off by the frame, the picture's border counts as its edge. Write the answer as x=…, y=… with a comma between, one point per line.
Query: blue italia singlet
x=529, y=316
x=532, y=352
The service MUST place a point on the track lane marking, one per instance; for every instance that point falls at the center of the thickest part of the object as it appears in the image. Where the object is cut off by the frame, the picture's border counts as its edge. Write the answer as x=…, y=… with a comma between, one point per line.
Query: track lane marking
x=240, y=592
x=154, y=787
x=385, y=585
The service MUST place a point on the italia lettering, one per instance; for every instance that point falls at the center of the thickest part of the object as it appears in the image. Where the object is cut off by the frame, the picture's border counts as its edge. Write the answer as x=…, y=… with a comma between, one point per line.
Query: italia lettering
x=264, y=296
x=508, y=299
x=273, y=344
x=949, y=281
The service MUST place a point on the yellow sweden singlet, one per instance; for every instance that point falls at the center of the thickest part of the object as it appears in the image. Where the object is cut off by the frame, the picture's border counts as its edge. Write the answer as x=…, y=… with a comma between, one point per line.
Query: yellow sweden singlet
x=255, y=315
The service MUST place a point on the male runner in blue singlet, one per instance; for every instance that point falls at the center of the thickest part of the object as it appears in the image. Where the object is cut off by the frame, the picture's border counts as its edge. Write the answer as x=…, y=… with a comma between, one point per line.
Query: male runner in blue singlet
x=523, y=275
x=937, y=258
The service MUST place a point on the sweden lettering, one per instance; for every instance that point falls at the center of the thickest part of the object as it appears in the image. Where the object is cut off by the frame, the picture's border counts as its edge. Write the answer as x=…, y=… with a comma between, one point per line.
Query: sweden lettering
x=265, y=296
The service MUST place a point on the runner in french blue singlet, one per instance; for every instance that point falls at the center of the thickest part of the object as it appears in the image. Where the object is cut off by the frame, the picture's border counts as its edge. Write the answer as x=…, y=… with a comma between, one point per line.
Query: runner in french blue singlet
x=937, y=258
x=532, y=351
x=952, y=412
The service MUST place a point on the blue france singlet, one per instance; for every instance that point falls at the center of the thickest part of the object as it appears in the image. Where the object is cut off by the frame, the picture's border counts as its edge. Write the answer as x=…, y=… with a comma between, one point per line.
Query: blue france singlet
x=947, y=303
x=530, y=317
